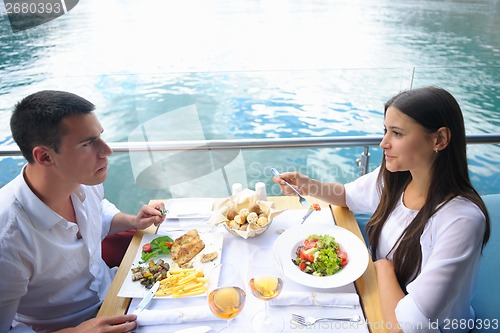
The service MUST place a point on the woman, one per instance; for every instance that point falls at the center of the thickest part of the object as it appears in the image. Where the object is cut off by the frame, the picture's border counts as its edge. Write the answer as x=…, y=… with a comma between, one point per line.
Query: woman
x=429, y=225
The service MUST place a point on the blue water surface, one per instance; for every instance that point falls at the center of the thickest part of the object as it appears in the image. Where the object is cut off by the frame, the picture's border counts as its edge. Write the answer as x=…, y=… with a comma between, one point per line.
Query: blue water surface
x=255, y=69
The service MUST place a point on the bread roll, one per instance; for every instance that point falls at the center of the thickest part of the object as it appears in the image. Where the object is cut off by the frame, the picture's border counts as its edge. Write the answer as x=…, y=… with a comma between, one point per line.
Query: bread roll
x=243, y=214
x=252, y=218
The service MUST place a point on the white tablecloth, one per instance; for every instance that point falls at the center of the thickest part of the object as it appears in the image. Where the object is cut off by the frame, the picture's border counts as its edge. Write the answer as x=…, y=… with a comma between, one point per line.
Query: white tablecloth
x=236, y=250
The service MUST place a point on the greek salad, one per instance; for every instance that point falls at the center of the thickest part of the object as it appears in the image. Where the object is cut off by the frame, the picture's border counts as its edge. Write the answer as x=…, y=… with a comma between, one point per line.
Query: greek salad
x=320, y=255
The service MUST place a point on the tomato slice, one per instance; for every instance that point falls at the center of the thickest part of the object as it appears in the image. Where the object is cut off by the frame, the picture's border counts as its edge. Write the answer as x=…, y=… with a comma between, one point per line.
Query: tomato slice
x=342, y=255
x=302, y=265
x=169, y=243
x=310, y=245
x=147, y=247
x=306, y=256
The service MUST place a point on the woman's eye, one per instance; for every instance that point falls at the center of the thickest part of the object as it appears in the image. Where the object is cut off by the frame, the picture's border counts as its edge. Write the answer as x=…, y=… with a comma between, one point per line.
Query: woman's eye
x=396, y=133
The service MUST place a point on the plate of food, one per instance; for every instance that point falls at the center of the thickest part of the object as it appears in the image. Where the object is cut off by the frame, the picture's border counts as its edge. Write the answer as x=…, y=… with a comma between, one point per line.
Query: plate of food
x=321, y=255
x=181, y=261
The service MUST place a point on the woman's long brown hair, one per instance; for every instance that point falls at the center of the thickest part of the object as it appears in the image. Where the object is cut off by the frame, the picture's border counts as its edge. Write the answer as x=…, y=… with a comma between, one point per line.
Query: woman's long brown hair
x=432, y=108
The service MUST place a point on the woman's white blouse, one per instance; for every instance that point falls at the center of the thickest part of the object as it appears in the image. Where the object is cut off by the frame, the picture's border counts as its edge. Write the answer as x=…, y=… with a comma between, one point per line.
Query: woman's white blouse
x=440, y=295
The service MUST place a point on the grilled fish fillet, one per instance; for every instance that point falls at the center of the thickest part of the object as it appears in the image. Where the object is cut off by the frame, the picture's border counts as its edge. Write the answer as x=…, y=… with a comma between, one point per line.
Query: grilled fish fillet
x=208, y=257
x=186, y=247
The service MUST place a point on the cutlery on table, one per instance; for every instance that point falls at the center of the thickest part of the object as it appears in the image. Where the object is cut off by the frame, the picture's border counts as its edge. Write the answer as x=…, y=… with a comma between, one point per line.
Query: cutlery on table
x=149, y=296
x=198, y=329
x=308, y=321
x=191, y=215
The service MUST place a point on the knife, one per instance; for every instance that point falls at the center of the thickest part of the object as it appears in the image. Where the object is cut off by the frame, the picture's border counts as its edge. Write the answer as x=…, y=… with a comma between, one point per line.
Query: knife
x=149, y=296
x=199, y=329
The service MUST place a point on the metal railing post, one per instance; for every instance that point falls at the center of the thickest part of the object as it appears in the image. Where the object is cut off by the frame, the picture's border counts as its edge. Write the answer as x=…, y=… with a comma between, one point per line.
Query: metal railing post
x=364, y=161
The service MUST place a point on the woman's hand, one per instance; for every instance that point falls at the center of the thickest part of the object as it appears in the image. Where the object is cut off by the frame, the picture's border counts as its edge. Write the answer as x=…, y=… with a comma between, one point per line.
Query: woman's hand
x=296, y=179
x=118, y=324
x=330, y=192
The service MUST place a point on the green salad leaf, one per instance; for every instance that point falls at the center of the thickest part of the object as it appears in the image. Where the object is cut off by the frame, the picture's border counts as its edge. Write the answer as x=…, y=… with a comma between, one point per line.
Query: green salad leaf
x=327, y=262
x=159, y=247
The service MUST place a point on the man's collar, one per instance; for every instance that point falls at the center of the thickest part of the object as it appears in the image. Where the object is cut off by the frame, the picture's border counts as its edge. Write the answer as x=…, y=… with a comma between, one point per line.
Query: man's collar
x=42, y=216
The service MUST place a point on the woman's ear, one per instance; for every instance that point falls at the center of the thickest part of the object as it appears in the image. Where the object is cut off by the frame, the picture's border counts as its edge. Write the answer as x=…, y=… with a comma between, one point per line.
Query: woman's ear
x=41, y=155
x=442, y=138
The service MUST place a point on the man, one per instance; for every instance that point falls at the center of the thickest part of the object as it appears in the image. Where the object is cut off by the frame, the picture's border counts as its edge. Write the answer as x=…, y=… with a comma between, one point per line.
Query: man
x=53, y=217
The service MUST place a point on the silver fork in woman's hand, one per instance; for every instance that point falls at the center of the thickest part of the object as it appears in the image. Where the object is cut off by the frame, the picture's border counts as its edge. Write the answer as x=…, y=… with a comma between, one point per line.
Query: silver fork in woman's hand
x=302, y=200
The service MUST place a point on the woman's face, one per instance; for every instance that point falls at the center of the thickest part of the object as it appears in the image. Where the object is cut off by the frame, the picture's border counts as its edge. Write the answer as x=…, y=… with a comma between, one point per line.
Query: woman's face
x=406, y=144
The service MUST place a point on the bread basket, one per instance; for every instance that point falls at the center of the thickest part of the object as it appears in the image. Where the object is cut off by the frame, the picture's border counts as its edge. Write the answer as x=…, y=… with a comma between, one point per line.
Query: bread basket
x=236, y=204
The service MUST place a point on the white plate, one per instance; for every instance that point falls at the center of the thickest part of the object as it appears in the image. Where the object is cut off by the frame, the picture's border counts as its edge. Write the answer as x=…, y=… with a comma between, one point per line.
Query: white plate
x=213, y=243
x=287, y=243
x=189, y=208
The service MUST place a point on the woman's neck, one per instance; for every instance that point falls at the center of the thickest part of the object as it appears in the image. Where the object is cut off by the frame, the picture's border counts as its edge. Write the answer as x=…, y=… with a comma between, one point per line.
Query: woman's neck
x=416, y=192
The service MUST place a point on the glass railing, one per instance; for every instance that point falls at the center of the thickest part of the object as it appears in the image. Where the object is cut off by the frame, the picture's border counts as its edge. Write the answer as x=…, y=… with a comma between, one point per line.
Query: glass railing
x=238, y=124
x=140, y=171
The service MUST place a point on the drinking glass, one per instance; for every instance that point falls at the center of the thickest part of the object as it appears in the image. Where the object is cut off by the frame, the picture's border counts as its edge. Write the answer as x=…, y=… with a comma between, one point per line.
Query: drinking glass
x=226, y=298
x=265, y=275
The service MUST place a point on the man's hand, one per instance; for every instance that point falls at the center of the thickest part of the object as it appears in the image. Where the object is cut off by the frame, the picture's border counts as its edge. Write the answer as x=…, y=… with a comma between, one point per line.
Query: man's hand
x=123, y=323
x=150, y=214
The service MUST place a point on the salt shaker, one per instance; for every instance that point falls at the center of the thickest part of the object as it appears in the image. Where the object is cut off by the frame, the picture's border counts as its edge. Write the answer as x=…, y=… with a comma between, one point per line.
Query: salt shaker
x=236, y=188
x=260, y=189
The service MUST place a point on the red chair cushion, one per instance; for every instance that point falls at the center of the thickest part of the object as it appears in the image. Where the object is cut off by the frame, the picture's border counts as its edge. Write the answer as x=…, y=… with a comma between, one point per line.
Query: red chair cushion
x=114, y=247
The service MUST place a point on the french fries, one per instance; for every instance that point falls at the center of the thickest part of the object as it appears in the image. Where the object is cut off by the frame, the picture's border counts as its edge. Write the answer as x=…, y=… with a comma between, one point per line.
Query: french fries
x=183, y=282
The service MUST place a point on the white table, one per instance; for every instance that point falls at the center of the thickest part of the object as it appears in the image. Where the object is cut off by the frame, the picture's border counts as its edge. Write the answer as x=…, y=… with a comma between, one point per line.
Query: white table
x=366, y=285
x=237, y=250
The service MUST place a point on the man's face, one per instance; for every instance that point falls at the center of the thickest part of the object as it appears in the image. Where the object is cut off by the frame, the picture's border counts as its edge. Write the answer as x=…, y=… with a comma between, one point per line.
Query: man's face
x=82, y=157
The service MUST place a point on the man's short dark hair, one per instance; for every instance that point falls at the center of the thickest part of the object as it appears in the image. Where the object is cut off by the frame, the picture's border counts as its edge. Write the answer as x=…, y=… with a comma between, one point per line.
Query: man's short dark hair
x=37, y=119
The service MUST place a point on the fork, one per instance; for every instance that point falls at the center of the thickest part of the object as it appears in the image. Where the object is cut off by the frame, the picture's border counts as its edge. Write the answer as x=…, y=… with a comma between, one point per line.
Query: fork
x=308, y=321
x=302, y=200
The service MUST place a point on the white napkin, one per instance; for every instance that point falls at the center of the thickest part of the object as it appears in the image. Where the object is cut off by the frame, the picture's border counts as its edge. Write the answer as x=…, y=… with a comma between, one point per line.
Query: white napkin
x=175, y=316
x=303, y=298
